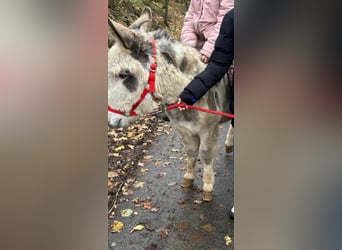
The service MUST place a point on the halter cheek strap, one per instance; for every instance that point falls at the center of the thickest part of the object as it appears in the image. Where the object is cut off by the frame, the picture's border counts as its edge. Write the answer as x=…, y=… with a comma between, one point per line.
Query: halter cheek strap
x=148, y=90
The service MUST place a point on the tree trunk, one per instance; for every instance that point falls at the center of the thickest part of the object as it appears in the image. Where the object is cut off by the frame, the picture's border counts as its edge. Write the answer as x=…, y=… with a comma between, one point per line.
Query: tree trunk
x=166, y=16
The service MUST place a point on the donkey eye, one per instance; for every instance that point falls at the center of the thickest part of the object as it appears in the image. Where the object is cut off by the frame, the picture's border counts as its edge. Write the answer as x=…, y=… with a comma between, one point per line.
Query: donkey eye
x=123, y=75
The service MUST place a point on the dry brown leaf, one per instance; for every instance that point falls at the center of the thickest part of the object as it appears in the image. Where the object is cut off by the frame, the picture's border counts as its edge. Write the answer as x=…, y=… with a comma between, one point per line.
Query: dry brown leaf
x=154, y=209
x=112, y=174
x=161, y=175
x=130, y=180
x=148, y=157
x=183, y=226
x=130, y=134
x=181, y=201
x=110, y=184
x=114, y=154
x=138, y=184
x=147, y=205
x=143, y=170
x=182, y=168
x=164, y=234
x=128, y=192
x=149, y=227
x=139, y=136
x=209, y=228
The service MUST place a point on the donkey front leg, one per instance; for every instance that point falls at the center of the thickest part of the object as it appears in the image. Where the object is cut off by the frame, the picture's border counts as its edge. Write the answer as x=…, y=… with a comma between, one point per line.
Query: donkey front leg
x=207, y=154
x=191, y=143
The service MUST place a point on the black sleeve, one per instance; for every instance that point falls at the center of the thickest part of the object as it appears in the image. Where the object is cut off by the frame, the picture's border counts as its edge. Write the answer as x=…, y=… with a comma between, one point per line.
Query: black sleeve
x=220, y=61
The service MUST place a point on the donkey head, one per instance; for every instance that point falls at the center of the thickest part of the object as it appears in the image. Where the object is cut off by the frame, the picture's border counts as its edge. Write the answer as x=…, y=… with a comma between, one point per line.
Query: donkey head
x=129, y=62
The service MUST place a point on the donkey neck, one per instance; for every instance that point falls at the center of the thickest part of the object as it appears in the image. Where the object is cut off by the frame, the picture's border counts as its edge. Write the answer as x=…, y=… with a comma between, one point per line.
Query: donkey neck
x=177, y=64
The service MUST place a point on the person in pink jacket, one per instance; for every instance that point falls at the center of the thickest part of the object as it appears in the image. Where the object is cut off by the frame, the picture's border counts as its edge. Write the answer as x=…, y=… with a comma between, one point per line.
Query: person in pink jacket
x=202, y=24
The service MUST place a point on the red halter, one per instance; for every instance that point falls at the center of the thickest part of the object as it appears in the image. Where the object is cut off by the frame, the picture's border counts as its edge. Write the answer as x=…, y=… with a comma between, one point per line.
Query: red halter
x=150, y=88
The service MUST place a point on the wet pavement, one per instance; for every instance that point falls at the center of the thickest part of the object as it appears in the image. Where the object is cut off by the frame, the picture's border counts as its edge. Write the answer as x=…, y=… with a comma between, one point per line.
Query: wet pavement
x=169, y=216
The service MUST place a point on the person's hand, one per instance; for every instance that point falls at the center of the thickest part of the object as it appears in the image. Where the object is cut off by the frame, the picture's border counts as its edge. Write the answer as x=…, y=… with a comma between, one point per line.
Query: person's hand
x=204, y=58
x=181, y=108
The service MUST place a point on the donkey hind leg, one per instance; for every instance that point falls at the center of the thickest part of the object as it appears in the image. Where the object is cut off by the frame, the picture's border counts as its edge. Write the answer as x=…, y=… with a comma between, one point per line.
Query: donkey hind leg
x=191, y=143
x=207, y=153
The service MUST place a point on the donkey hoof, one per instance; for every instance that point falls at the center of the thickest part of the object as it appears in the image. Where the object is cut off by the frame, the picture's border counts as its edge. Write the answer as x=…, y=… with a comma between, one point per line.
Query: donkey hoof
x=229, y=149
x=187, y=183
x=207, y=196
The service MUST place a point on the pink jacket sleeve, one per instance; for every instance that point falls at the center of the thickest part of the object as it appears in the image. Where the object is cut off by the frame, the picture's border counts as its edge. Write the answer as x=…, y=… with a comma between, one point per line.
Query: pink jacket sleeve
x=209, y=45
x=188, y=35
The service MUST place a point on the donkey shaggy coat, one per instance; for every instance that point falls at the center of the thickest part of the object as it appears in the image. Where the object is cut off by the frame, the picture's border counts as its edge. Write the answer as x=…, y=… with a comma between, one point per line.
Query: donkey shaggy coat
x=129, y=61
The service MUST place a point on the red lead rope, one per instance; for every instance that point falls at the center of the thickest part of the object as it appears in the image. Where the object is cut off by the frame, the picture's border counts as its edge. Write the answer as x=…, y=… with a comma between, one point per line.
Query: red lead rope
x=183, y=105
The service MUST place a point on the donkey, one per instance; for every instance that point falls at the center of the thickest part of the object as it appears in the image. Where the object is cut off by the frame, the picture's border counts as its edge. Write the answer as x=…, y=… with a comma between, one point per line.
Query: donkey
x=139, y=55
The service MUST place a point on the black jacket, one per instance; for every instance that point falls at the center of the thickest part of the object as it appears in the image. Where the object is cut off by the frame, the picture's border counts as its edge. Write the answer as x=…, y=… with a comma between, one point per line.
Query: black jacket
x=220, y=61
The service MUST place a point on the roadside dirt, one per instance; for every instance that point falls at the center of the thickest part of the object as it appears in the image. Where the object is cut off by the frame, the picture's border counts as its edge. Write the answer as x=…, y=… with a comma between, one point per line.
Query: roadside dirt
x=126, y=148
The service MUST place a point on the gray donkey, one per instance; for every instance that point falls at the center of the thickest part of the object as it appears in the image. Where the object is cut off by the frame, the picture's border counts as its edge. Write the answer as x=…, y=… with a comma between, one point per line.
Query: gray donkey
x=132, y=59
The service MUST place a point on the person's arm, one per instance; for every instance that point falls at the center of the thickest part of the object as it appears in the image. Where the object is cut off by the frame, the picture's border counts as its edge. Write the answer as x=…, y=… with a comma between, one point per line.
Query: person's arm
x=188, y=35
x=219, y=63
x=208, y=47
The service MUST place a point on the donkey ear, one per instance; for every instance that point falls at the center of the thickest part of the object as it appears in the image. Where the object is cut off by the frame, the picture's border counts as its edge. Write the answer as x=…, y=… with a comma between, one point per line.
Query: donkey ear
x=144, y=21
x=122, y=34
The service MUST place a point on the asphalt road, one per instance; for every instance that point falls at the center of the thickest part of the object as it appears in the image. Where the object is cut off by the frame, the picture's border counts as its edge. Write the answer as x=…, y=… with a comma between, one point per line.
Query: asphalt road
x=173, y=217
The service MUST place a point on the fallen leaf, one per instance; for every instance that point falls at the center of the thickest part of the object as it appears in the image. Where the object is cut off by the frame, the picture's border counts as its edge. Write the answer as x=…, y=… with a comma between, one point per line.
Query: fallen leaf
x=164, y=234
x=228, y=240
x=149, y=227
x=143, y=170
x=110, y=184
x=160, y=175
x=198, y=202
x=171, y=184
x=148, y=157
x=209, y=228
x=130, y=134
x=147, y=205
x=130, y=180
x=114, y=154
x=128, y=192
x=182, y=168
x=183, y=226
x=195, y=237
x=119, y=148
x=126, y=212
x=181, y=201
x=137, y=228
x=139, y=136
x=154, y=209
x=112, y=174
x=131, y=146
x=116, y=226
x=138, y=184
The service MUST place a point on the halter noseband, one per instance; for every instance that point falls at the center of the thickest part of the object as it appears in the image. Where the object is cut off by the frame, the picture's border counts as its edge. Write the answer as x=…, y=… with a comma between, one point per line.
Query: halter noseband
x=148, y=90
